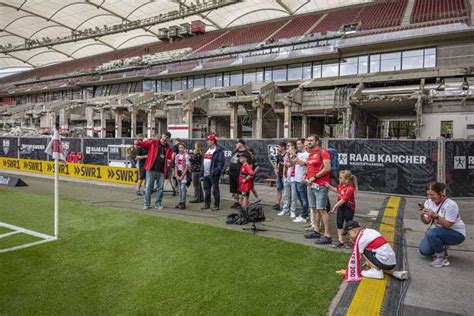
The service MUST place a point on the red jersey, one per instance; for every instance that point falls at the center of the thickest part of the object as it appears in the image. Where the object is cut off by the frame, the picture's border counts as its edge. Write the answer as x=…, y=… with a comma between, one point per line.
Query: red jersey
x=245, y=171
x=315, y=165
x=346, y=192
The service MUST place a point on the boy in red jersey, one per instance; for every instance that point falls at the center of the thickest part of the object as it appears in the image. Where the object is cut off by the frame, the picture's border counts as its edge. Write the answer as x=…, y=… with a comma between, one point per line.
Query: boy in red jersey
x=245, y=180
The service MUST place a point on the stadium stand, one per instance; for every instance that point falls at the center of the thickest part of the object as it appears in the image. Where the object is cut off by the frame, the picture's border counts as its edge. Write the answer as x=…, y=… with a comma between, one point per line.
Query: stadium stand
x=430, y=10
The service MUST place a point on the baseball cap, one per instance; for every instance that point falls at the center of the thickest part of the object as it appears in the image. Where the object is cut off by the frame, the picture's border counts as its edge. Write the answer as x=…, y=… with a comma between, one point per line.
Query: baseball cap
x=212, y=137
x=350, y=225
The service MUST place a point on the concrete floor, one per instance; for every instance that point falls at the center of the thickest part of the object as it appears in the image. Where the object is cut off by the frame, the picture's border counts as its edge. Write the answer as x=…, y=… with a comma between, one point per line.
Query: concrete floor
x=432, y=291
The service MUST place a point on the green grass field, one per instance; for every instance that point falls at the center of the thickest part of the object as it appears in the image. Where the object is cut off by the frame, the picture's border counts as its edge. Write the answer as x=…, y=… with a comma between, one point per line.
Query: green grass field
x=112, y=261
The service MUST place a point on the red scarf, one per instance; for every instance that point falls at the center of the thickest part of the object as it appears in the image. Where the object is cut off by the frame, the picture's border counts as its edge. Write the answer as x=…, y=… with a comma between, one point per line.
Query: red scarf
x=353, y=266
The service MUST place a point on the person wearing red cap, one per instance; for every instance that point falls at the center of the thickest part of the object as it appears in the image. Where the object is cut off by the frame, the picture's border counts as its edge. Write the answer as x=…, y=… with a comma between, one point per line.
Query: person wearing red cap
x=213, y=163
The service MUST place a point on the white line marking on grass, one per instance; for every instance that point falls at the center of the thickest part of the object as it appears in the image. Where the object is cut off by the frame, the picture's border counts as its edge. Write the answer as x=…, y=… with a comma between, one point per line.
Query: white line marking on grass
x=31, y=244
x=9, y=234
x=20, y=230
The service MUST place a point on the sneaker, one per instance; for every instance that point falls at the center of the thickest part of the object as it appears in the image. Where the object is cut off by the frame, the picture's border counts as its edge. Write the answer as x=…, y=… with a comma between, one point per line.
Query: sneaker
x=159, y=207
x=312, y=234
x=293, y=215
x=146, y=207
x=139, y=192
x=401, y=275
x=276, y=207
x=309, y=229
x=205, y=207
x=440, y=262
x=178, y=205
x=372, y=274
x=182, y=206
x=299, y=219
x=308, y=225
x=338, y=244
x=324, y=240
x=283, y=213
x=215, y=208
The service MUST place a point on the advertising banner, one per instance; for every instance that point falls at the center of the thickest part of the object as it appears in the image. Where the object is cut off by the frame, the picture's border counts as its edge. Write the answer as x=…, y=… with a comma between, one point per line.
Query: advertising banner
x=95, y=150
x=389, y=166
x=459, y=159
x=9, y=147
x=33, y=148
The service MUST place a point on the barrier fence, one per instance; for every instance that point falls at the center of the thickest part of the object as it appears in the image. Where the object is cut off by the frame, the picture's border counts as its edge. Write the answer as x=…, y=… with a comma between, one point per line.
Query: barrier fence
x=387, y=166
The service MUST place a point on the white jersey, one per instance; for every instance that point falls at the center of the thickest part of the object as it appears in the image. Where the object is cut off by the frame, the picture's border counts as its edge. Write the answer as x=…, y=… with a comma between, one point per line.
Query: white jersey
x=449, y=211
x=300, y=170
x=384, y=253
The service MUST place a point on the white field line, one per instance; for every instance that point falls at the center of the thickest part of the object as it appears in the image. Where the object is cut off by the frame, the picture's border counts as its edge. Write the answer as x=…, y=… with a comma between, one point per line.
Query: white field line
x=9, y=234
x=31, y=244
x=25, y=231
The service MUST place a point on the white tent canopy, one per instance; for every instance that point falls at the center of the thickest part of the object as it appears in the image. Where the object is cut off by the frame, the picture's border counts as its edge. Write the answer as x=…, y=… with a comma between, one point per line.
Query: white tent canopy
x=22, y=20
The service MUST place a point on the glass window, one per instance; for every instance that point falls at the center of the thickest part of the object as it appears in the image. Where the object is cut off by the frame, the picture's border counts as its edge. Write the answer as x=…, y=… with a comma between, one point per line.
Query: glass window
x=226, y=79
x=184, y=83
x=390, y=61
x=250, y=76
x=147, y=85
x=166, y=85
x=446, y=129
x=198, y=81
x=349, y=66
x=268, y=74
x=375, y=63
x=176, y=84
x=236, y=78
x=430, y=57
x=219, y=80
x=412, y=59
x=190, y=82
x=330, y=68
x=317, y=69
x=279, y=73
x=158, y=85
x=260, y=75
x=363, y=64
x=295, y=72
x=211, y=81
x=307, y=71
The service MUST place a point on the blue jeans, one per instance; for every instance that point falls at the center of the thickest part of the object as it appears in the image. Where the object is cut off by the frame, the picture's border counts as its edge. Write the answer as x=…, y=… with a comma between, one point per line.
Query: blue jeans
x=209, y=183
x=436, y=238
x=151, y=177
x=303, y=198
x=289, y=196
x=182, y=192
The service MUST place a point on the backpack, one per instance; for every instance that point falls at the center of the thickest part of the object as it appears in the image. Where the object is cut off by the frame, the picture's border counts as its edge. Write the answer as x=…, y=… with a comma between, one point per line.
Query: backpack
x=334, y=155
x=254, y=213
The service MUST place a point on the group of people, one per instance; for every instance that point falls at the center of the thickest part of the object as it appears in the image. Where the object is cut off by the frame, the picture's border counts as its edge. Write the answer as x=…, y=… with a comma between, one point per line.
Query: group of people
x=303, y=174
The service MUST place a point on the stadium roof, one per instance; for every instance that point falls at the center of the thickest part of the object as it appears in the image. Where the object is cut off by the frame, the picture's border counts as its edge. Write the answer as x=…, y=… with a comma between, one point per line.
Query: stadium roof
x=27, y=20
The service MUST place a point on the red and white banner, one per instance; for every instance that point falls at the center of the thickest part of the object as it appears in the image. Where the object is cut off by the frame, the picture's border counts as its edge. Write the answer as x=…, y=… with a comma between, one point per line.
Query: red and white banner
x=353, y=267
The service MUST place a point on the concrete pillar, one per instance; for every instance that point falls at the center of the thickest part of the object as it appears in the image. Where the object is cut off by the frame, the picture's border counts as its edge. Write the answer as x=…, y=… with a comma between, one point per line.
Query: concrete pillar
x=90, y=121
x=118, y=122
x=287, y=120
x=63, y=120
x=133, y=121
x=347, y=123
x=103, y=124
x=150, y=123
x=51, y=119
x=304, y=126
x=213, y=125
x=188, y=115
x=278, y=135
x=233, y=120
x=258, y=130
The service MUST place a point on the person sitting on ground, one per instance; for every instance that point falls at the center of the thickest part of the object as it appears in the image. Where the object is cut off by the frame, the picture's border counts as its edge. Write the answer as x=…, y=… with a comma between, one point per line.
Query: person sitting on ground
x=449, y=229
x=196, y=169
x=141, y=158
x=245, y=180
x=345, y=205
x=181, y=167
x=278, y=166
x=377, y=253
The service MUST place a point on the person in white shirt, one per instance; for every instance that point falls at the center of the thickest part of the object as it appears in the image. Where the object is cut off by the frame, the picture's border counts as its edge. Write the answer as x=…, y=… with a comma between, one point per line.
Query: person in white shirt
x=378, y=254
x=301, y=188
x=181, y=167
x=446, y=226
x=289, y=184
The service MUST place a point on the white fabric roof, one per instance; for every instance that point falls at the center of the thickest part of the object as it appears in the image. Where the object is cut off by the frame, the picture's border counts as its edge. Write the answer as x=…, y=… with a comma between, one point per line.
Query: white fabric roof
x=35, y=19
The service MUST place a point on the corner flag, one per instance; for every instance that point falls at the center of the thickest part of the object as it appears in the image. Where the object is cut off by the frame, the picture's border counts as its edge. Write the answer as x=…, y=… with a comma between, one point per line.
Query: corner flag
x=55, y=147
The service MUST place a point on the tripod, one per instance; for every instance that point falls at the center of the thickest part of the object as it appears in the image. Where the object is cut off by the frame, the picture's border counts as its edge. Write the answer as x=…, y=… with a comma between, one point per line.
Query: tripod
x=254, y=228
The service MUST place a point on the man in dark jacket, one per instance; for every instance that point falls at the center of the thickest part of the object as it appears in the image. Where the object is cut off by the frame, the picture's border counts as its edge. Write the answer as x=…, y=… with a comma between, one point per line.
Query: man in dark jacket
x=213, y=163
x=156, y=165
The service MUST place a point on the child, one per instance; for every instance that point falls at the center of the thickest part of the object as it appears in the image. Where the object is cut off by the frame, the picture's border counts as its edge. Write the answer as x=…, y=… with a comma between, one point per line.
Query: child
x=245, y=180
x=181, y=166
x=345, y=205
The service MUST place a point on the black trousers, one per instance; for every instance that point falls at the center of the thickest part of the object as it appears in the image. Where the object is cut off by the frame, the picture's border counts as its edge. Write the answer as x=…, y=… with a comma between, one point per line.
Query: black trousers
x=212, y=184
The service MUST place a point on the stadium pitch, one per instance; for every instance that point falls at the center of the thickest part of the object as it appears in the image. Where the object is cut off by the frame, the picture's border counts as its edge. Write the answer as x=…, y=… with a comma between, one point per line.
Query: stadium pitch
x=113, y=260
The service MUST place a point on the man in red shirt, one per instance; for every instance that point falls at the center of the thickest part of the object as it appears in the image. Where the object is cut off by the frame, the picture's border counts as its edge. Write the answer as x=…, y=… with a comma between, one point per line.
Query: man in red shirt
x=317, y=174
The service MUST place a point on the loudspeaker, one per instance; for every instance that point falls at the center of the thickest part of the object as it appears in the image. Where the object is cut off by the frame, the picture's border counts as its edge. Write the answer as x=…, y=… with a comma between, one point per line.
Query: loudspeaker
x=11, y=181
